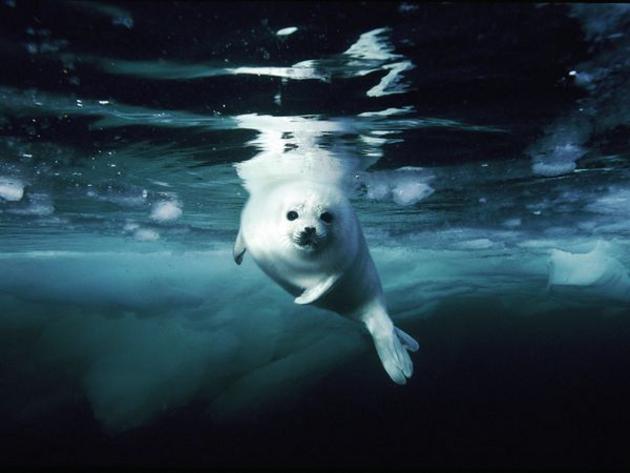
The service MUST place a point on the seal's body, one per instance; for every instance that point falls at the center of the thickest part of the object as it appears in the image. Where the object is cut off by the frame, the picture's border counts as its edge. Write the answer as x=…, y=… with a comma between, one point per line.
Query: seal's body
x=307, y=238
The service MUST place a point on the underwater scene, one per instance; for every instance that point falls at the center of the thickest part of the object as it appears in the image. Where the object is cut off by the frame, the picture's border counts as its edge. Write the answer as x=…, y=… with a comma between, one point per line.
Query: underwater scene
x=316, y=234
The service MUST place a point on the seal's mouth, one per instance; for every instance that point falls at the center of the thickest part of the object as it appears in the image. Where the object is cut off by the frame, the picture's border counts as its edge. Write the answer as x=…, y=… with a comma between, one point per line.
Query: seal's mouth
x=306, y=241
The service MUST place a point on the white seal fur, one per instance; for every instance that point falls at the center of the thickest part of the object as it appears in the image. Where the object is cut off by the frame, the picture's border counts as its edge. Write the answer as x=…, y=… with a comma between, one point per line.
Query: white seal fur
x=306, y=237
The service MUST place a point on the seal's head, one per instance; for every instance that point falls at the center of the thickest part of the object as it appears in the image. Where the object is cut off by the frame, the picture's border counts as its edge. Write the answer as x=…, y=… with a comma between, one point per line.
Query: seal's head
x=313, y=216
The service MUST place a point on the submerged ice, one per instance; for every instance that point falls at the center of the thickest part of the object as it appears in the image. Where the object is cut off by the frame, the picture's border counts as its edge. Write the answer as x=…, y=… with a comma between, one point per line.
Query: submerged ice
x=106, y=319
x=11, y=190
x=166, y=211
x=405, y=186
x=595, y=270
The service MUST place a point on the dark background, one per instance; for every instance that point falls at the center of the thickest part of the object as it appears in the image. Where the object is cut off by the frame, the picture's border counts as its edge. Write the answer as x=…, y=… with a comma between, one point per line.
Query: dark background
x=489, y=391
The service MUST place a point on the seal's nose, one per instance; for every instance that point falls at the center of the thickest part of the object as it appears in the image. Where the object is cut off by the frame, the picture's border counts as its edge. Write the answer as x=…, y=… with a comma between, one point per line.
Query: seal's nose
x=309, y=230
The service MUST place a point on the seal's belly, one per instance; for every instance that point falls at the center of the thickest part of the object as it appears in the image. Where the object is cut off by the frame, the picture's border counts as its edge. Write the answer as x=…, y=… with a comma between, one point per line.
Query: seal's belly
x=293, y=274
x=294, y=278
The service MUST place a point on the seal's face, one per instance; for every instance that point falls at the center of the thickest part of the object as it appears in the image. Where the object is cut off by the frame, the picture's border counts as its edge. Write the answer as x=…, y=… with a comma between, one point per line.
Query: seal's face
x=310, y=218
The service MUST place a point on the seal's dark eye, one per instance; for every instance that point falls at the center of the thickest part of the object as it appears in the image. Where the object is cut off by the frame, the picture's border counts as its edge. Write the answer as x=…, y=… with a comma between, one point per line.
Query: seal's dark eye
x=326, y=217
x=292, y=215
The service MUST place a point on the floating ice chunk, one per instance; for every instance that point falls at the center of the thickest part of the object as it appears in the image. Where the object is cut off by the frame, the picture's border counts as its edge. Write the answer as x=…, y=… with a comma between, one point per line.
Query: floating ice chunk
x=560, y=161
x=616, y=202
x=39, y=205
x=563, y=144
x=513, y=222
x=131, y=227
x=410, y=192
x=11, y=190
x=594, y=270
x=552, y=169
x=286, y=31
x=568, y=152
x=378, y=191
x=406, y=185
x=476, y=244
x=166, y=211
x=146, y=234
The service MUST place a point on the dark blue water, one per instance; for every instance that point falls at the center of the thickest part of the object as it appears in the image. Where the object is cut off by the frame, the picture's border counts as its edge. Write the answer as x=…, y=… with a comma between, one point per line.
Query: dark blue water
x=487, y=152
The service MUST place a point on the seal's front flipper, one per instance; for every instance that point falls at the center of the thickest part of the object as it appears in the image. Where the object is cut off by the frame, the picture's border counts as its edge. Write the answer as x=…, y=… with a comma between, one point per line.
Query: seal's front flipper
x=319, y=290
x=239, y=248
x=392, y=345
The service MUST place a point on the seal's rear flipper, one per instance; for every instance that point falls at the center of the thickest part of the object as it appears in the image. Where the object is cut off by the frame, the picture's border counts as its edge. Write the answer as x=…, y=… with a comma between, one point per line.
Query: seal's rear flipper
x=239, y=248
x=392, y=345
x=319, y=290
x=407, y=340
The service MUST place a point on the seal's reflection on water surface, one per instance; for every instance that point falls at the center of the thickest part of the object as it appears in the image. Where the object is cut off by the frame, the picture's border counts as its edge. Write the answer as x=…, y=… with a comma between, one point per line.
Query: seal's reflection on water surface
x=300, y=228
